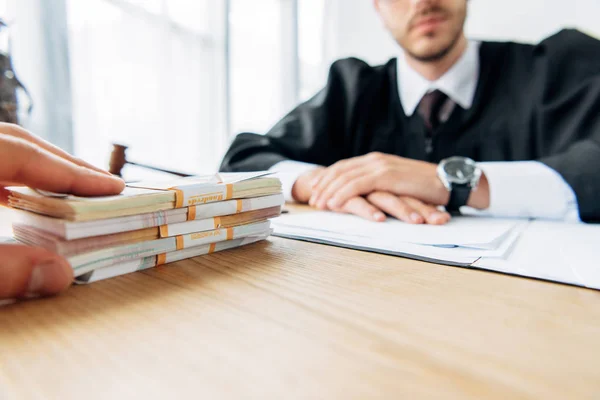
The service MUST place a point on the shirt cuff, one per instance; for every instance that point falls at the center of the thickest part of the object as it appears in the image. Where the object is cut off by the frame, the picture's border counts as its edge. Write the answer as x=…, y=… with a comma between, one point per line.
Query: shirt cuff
x=288, y=172
x=529, y=189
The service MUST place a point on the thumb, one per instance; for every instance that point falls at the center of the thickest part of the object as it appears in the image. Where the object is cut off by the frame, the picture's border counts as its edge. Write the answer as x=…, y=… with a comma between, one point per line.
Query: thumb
x=31, y=272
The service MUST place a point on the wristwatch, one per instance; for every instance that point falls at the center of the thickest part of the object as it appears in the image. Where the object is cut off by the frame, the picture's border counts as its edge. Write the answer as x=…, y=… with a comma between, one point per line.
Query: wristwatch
x=460, y=175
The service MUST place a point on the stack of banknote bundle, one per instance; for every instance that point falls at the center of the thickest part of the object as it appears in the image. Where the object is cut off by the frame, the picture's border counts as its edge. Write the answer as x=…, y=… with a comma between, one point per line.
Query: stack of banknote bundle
x=150, y=223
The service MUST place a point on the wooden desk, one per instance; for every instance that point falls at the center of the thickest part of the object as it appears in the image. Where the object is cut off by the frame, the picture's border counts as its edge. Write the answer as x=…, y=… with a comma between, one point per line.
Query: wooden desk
x=287, y=319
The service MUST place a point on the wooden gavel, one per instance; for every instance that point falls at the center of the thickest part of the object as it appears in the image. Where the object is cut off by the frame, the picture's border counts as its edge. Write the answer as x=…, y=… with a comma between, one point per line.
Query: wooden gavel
x=118, y=160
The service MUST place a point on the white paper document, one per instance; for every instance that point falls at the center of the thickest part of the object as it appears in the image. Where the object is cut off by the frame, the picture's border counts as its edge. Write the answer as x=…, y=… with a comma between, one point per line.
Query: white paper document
x=470, y=232
x=561, y=252
x=461, y=242
x=513, y=246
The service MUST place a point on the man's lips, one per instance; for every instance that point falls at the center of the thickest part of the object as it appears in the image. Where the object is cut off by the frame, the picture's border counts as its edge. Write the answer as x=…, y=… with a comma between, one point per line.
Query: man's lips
x=428, y=23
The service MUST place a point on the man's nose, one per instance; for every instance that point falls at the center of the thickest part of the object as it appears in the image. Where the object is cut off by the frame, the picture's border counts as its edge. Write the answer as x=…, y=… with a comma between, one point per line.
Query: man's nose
x=424, y=3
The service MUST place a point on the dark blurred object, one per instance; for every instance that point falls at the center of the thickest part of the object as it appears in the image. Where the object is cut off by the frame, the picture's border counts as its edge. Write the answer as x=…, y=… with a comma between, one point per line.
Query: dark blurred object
x=118, y=160
x=12, y=90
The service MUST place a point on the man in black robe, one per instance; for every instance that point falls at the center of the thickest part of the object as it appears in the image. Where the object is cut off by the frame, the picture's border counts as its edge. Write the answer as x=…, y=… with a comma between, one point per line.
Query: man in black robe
x=370, y=142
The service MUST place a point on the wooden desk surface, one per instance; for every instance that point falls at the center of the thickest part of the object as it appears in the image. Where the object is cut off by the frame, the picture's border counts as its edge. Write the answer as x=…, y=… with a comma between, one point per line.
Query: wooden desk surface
x=294, y=320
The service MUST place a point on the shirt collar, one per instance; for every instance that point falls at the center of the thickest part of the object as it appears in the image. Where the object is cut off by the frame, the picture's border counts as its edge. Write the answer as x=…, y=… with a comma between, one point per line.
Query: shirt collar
x=459, y=83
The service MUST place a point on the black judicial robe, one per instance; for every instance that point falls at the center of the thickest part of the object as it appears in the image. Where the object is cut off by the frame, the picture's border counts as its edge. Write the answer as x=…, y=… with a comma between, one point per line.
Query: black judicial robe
x=533, y=102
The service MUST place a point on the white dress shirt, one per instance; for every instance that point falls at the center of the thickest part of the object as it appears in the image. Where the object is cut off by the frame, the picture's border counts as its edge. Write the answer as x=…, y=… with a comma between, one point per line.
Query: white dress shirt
x=512, y=189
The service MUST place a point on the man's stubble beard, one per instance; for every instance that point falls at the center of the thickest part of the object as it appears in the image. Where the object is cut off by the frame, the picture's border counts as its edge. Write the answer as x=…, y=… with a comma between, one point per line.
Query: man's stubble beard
x=434, y=57
x=438, y=55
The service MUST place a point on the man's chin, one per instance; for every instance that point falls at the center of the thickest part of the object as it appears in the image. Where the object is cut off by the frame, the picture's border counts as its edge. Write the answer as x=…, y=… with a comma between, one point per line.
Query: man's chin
x=429, y=57
x=430, y=52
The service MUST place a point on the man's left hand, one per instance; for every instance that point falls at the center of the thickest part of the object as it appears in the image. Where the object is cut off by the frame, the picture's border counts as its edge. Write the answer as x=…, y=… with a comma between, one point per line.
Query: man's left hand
x=373, y=172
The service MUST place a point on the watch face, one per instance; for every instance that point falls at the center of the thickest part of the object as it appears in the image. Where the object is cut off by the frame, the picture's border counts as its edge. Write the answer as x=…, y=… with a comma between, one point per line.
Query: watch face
x=459, y=171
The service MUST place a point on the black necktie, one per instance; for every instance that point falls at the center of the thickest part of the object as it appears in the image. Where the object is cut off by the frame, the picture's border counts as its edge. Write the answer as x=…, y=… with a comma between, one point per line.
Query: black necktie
x=430, y=109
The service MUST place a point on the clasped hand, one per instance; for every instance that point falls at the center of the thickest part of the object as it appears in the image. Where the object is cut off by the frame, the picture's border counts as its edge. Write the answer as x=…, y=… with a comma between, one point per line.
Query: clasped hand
x=375, y=184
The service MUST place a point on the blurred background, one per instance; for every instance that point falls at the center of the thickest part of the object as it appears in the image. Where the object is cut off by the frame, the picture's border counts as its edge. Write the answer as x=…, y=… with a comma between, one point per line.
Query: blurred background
x=176, y=79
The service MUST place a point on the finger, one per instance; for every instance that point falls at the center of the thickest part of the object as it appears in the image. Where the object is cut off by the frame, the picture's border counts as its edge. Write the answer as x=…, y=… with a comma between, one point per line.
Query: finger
x=4, y=196
x=432, y=215
x=323, y=180
x=361, y=207
x=342, y=168
x=301, y=188
x=30, y=272
x=362, y=184
x=331, y=173
x=394, y=206
x=334, y=185
x=318, y=181
x=316, y=178
x=24, y=162
x=20, y=133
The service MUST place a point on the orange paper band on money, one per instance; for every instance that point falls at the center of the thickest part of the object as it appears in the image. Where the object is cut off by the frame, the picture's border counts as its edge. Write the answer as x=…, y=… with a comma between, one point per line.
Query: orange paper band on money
x=239, y=206
x=179, y=242
x=161, y=259
x=229, y=233
x=164, y=231
x=217, y=221
x=211, y=249
x=191, y=213
x=178, y=197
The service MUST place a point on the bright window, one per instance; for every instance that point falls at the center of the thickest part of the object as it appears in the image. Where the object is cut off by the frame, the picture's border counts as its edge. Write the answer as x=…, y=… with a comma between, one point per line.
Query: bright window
x=311, y=51
x=175, y=79
x=149, y=74
x=263, y=77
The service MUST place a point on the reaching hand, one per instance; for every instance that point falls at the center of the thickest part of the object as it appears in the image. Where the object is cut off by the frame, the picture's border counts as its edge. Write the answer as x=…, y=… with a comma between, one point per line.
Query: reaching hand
x=27, y=160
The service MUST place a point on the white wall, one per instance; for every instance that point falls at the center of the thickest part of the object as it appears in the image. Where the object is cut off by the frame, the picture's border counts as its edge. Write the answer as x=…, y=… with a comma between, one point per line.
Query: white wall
x=531, y=20
x=353, y=27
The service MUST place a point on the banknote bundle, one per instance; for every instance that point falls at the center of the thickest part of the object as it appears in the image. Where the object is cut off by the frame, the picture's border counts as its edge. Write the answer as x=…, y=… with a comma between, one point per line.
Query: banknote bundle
x=149, y=223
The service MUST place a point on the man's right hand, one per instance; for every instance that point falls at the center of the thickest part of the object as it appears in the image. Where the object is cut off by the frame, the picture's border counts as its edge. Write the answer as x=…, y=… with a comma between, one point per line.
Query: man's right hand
x=27, y=160
x=375, y=205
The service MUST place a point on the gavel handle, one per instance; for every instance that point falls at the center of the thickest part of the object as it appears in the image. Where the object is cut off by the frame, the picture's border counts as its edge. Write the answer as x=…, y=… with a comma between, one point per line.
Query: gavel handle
x=159, y=169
